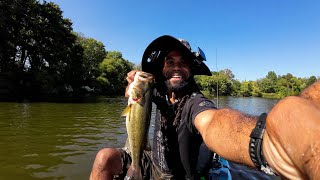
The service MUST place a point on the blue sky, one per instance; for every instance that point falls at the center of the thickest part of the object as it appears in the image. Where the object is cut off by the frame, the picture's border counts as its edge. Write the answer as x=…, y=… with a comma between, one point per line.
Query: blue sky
x=249, y=37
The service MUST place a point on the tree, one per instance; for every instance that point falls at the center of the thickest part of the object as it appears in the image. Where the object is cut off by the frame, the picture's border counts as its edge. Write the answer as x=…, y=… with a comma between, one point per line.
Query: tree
x=206, y=83
x=221, y=80
x=256, y=91
x=289, y=85
x=311, y=80
x=268, y=84
x=225, y=78
x=246, y=88
x=12, y=25
x=235, y=87
x=93, y=54
x=39, y=47
x=114, y=70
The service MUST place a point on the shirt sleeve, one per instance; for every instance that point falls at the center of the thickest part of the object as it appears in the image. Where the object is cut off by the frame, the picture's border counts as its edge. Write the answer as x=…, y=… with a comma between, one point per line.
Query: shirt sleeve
x=194, y=106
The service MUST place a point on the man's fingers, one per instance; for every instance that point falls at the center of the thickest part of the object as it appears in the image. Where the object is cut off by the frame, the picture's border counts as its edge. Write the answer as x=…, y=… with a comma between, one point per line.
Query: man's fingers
x=130, y=76
x=145, y=77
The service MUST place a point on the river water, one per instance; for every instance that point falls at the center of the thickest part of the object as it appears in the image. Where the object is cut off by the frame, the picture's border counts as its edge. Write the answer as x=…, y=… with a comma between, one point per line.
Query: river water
x=60, y=140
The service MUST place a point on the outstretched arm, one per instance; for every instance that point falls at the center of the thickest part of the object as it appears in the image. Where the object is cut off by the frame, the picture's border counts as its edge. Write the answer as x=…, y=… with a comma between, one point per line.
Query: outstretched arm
x=291, y=142
x=292, y=139
x=226, y=132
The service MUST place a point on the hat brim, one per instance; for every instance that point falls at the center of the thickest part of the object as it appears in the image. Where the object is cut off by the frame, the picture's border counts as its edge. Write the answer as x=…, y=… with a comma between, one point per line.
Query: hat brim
x=166, y=43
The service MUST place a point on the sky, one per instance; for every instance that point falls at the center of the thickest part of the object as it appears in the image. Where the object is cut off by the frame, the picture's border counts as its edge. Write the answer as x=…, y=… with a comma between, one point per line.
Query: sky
x=249, y=37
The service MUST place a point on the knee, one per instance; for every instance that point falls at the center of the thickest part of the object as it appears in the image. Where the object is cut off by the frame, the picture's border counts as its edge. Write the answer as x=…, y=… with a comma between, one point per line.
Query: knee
x=107, y=158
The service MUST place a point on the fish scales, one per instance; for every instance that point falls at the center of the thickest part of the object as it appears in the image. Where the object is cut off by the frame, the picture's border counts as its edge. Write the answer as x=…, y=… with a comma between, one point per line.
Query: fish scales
x=138, y=114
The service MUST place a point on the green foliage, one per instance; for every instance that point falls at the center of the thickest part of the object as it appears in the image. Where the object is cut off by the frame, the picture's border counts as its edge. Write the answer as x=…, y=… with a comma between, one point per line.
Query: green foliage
x=39, y=47
x=114, y=70
x=206, y=83
x=246, y=88
x=288, y=85
x=224, y=81
x=272, y=86
x=311, y=80
x=40, y=56
x=249, y=88
x=235, y=88
x=93, y=54
x=267, y=84
x=40, y=51
x=256, y=91
x=221, y=81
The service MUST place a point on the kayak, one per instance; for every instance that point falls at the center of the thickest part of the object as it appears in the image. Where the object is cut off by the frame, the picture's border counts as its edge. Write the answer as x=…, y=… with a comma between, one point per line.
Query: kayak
x=211, y=166
x=220, y=171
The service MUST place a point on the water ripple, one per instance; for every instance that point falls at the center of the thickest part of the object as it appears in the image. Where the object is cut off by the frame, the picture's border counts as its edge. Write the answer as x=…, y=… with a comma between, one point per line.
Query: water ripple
x=60, y=140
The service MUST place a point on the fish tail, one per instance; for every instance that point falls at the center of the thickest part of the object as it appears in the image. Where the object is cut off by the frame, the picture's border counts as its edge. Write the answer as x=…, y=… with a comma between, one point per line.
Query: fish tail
x=133, y=173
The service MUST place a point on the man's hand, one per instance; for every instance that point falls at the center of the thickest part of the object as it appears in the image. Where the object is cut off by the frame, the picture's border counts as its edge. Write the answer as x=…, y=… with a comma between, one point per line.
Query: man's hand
x=142, y=78
x=130, y=78
x=291, y=143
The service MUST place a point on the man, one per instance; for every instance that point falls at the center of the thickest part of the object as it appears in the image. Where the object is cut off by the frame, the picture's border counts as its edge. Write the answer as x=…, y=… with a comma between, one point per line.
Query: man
x=290, y=145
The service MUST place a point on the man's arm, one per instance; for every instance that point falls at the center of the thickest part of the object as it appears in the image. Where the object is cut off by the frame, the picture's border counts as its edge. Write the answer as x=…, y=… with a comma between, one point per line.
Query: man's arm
x=226, y=132
x=291, y=142
x=312, y=93
x=292, y=138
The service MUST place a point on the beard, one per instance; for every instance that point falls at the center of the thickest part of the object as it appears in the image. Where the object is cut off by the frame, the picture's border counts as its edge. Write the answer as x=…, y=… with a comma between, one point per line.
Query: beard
x=177, y=87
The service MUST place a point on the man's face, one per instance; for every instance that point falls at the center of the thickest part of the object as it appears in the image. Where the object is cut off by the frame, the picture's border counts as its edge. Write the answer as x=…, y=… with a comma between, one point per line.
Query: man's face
x=176, y=70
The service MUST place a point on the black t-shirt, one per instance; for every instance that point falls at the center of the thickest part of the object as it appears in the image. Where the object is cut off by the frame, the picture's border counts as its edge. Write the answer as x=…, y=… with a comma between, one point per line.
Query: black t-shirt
x=176, y=147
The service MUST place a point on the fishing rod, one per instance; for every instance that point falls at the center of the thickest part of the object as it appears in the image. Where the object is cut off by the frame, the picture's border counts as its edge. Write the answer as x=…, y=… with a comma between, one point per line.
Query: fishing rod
x=217, y=78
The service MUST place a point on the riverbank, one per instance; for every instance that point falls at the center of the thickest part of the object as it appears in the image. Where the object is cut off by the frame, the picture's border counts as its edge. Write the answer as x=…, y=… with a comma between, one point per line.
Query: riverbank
x=264, y=95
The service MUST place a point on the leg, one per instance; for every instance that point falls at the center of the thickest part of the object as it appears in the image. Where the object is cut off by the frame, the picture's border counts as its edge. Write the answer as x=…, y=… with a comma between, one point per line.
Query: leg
x=107, y=164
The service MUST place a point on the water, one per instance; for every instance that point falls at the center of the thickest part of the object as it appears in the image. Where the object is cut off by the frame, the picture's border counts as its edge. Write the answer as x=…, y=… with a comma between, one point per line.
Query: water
x=60, y=140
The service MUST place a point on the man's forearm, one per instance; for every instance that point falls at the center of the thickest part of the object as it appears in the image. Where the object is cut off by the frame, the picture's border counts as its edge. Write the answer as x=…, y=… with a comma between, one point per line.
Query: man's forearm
x=228, y=134
x=291, y=143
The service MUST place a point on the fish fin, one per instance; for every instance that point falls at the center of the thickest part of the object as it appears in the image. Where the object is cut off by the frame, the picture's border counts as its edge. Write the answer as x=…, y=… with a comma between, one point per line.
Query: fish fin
x=127, y=144
x=126, y=111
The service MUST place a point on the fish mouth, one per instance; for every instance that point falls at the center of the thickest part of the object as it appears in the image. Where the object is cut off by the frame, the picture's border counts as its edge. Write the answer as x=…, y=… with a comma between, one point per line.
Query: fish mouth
x=136, y=99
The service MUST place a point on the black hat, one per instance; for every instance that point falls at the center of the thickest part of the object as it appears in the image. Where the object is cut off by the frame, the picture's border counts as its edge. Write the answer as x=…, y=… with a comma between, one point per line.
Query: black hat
x=152, y=60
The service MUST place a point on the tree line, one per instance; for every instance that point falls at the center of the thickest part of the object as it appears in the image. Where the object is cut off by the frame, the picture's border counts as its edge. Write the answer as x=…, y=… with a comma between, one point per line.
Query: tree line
x=42, y=58
x=271, y=86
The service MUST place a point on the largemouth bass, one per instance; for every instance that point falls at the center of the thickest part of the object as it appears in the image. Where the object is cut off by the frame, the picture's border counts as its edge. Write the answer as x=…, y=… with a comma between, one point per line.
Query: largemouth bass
x=138, y=114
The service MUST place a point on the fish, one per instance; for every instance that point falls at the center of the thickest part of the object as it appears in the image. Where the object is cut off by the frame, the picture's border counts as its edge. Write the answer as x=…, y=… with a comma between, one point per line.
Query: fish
x=138, y=115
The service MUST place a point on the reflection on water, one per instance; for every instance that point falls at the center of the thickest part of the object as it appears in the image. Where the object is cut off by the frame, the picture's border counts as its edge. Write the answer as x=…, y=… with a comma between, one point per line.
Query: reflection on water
x=60, y=140
x=249, y=105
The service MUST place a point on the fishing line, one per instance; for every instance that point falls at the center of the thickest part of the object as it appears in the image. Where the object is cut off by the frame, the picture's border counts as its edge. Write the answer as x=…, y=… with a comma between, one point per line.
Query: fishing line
x=217, y=78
